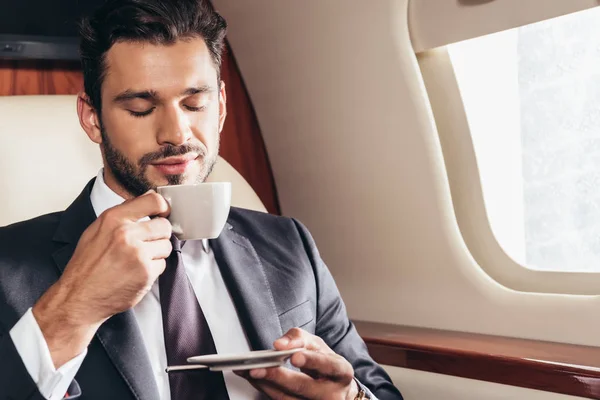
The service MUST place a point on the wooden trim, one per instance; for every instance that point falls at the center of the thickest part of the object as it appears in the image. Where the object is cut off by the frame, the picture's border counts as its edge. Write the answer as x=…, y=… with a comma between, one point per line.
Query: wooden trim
x=552, y=367
x=242, y=144
x=40, y=77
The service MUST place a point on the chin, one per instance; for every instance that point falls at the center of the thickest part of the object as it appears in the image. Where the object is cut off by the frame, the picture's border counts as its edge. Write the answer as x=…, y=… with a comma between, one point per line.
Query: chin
x=195, y=176
x=157, y=181
x=186, y=179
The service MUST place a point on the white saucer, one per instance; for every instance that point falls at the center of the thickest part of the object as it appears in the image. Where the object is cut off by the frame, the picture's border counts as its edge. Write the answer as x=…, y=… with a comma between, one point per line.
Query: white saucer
x=251, y=360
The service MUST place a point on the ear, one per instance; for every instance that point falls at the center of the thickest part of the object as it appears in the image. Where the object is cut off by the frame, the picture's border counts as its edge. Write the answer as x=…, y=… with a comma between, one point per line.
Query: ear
x=222, y=106
x=88, y=118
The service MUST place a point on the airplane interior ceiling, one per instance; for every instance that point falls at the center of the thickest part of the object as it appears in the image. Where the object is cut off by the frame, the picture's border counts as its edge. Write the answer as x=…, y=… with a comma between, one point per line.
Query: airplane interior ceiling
x=356, y=156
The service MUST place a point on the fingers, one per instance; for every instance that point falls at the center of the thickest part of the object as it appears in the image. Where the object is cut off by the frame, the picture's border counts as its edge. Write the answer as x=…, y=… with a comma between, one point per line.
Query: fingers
x=321, y=372
x=286, y=384
x=155, y=229
x=149, y=204
x=330, y=366
x=158, y=249
x=266, y=387
x=272, y=392
x=298, y=338
x=157, y=267
x=294, y=338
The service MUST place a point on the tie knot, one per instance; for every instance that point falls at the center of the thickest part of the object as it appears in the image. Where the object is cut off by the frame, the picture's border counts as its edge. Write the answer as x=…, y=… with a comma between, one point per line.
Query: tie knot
x=176, y=243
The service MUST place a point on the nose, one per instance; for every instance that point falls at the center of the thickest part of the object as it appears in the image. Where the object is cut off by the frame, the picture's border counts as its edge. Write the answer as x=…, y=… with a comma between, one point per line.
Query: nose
x=174, y=128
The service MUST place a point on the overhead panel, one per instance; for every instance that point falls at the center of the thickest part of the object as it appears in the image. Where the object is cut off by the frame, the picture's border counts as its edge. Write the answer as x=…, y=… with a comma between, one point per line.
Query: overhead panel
x=435, y=23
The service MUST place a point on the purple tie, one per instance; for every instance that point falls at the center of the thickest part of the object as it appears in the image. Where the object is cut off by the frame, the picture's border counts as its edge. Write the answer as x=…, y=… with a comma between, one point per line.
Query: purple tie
x=186, y=333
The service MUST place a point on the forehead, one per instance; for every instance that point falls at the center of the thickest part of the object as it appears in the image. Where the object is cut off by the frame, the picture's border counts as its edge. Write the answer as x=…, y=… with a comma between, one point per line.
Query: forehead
x=167, y=69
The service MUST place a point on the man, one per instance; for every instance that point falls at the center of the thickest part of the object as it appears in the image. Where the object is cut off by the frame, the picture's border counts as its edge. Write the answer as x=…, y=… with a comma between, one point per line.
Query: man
x=97, y=300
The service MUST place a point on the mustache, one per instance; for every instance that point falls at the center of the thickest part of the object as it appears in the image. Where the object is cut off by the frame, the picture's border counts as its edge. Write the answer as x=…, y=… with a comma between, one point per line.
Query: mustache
x=172, y=151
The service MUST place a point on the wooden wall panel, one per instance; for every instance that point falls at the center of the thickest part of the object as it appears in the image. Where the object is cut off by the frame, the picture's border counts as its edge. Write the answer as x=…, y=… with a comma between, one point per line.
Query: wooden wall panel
x=241, y=141
x=242, y=144
x=29, y=77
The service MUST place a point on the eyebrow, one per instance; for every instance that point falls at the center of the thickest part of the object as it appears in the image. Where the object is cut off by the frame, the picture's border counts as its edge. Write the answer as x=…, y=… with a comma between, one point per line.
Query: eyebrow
x=197, y=90
x=130, y=95
x=152, y=95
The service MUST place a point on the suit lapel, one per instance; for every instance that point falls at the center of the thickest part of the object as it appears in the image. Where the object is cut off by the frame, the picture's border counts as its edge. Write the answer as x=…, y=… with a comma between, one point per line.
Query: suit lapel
x=247, y=282
x=120, y=335
x=122, y=340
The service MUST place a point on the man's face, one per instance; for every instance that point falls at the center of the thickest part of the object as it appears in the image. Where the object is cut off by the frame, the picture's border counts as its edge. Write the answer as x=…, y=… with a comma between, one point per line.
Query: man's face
x=162, y=112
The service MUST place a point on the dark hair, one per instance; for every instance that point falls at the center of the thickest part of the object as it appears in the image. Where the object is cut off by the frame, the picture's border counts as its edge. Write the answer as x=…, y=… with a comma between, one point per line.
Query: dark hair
x=153, y=21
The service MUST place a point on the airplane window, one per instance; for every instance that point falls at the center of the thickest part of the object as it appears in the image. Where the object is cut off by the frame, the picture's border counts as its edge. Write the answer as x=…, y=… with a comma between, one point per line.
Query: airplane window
x=532, y=100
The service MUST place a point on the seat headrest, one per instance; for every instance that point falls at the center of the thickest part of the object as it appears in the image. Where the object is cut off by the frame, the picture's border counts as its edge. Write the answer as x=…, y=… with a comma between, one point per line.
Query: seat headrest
x=46, y=159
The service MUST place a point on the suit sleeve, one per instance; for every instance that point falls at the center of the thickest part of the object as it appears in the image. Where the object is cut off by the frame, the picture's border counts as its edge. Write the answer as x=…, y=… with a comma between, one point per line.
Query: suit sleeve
x=334, y=327
x=27, y=341
x=15, y=381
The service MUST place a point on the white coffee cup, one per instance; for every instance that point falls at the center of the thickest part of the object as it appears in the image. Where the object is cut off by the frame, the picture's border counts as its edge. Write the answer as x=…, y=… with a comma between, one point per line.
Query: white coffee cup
x=198, y=211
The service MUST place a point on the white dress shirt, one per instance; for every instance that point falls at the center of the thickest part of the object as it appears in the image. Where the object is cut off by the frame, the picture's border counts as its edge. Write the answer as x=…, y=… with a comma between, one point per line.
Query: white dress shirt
x=210, y=290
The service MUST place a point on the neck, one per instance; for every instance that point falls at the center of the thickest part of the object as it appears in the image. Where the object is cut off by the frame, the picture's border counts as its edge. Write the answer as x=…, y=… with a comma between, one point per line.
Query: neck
x=114, y=185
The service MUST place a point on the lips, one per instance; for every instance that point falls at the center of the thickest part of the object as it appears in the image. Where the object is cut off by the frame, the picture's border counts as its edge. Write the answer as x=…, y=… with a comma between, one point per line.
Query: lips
x=175, y=165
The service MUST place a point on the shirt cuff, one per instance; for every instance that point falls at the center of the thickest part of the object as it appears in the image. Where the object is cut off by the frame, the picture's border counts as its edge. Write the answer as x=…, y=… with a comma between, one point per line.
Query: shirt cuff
x=369, y=395
x=29, y=341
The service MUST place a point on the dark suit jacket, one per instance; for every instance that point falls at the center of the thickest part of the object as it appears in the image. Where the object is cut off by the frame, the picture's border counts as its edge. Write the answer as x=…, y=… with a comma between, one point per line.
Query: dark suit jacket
x=270, y=265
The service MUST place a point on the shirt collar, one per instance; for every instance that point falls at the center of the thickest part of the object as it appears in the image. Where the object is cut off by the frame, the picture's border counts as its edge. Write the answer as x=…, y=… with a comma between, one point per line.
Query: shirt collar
x=103, y=198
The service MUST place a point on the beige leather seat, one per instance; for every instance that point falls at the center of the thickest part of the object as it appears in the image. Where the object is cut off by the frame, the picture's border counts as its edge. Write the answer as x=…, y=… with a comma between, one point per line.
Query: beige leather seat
x=46, y=159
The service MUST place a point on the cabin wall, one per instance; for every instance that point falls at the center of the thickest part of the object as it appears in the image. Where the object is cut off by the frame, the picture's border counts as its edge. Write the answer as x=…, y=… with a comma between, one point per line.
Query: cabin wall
x=357, y=156
x=418, y=385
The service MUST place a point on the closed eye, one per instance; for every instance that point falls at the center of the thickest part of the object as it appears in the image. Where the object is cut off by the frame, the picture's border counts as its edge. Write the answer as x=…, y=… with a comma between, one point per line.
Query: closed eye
x=195, y=109
x=140, y=114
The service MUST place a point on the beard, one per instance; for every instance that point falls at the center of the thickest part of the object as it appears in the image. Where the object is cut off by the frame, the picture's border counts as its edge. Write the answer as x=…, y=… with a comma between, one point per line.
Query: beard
x=133, y=177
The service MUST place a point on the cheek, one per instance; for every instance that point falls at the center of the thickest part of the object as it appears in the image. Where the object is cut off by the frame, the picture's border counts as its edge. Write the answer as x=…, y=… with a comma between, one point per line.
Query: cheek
x=118, y=126
x=129, y=135
x=206, y=130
